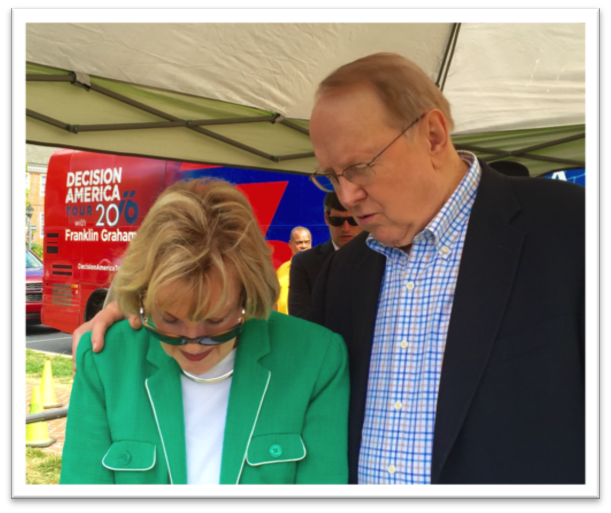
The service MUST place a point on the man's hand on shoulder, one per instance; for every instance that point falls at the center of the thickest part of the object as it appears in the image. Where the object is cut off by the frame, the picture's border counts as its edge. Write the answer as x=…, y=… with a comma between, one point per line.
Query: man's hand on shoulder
x=98, y=326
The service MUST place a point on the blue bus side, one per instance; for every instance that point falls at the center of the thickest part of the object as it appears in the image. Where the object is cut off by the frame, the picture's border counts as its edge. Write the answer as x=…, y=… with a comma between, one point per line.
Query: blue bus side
x=301, y=204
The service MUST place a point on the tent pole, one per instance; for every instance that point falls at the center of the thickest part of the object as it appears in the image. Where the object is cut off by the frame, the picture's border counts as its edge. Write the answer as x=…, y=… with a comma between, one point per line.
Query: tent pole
x=448, y=56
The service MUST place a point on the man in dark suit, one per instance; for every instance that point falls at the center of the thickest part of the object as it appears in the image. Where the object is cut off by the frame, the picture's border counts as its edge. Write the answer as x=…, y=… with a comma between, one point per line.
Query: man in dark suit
x=462, y=307
x=307, y=264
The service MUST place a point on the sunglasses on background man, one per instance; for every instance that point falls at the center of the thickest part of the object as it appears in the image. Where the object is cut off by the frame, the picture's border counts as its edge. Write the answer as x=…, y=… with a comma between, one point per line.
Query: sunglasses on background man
x=338, y=221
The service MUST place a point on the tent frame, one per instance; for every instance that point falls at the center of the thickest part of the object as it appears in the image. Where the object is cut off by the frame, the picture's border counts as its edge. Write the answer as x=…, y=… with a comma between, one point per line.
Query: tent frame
x=82, y=80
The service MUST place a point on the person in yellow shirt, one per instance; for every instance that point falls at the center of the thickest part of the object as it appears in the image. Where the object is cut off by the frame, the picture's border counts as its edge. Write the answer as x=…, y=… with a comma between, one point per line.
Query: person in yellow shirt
x=301, y=239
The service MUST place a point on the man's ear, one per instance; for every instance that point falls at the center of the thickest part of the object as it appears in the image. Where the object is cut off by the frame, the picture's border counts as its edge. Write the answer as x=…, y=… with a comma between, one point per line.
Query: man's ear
x=437, y=135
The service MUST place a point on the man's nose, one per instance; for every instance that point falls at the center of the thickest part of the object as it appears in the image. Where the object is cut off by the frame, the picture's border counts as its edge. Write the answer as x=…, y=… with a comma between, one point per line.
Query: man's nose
x=348, y=193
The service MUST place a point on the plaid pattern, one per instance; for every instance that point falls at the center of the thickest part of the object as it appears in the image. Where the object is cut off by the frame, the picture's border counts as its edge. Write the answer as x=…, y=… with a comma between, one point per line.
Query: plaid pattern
x=409, y=341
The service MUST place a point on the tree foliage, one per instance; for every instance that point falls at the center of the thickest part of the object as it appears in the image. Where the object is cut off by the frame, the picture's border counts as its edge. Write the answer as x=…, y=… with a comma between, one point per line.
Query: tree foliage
x=36, y=246
x=37, y=249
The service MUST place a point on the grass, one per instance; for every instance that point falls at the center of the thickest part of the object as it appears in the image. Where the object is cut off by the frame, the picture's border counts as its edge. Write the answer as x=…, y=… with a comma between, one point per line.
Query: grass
x=41, y=468
x=60, y=366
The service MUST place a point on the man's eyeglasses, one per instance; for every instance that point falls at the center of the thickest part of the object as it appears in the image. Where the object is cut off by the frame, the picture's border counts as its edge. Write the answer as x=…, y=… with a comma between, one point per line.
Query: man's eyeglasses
x=175, y=340
x=339, y=221
x=358, y=174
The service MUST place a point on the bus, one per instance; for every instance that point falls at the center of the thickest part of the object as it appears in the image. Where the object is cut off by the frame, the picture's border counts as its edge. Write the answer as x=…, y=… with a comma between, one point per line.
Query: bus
x=96, y=202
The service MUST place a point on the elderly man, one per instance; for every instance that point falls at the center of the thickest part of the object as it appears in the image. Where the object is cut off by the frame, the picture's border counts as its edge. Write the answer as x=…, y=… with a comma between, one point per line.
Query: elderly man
x=463, y=305
x=306, y=265
x=301, y=240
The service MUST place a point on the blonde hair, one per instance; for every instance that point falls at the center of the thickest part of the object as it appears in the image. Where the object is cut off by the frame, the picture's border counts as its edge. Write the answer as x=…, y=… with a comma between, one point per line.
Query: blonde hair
x=402, y=86
x=196, y=231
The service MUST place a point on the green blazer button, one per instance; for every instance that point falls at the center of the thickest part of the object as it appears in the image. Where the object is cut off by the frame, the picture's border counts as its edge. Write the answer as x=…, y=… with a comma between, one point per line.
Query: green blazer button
x=125, y=457
x=275, y=450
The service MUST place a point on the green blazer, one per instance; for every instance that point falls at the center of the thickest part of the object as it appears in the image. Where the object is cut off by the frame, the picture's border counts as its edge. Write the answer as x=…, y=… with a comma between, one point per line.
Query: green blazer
x=286, y=418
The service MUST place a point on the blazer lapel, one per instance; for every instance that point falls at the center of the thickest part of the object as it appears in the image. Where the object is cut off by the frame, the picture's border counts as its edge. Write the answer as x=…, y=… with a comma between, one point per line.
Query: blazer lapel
x=326, y=249
x=165, y=394
x=322, y=254
x=487, y=269
x=367, y=283
x=248, y=387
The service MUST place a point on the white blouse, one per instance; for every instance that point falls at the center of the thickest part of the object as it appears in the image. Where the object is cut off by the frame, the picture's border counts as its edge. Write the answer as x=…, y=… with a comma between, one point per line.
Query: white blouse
x=205, y=410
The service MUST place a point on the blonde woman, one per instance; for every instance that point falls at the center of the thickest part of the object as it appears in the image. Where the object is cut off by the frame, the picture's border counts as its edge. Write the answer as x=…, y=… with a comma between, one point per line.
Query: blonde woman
x=215, y=387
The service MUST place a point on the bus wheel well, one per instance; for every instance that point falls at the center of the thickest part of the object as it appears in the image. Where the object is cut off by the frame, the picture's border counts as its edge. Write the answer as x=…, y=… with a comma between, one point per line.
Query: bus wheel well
x=95, y=303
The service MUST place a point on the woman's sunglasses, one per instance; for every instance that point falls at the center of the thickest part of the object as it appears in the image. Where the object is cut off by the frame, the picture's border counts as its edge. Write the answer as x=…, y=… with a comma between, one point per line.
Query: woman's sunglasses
x=338, y=221
x=175, y=340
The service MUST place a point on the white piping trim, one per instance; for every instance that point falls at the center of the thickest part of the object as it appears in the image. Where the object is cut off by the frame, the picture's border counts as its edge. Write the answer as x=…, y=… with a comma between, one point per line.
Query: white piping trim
x=167, y=461
x=305, y=453
x=130, y=469
x=269, y=375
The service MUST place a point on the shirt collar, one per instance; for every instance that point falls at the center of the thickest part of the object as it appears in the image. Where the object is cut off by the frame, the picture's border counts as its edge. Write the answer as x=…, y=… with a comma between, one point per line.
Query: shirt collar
x=443, y=228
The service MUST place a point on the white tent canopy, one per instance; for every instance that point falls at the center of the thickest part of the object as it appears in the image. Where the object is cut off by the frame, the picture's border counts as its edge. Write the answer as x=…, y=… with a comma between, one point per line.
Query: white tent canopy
x=241, y=94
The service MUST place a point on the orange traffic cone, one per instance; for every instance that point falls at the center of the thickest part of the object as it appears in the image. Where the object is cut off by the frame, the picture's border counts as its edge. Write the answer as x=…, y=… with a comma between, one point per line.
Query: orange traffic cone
x=47, y=389
x=36, y=433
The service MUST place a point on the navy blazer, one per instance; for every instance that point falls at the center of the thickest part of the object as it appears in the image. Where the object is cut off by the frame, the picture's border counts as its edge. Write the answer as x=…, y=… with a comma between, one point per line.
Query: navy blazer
x=305, y=268
x=511, y=402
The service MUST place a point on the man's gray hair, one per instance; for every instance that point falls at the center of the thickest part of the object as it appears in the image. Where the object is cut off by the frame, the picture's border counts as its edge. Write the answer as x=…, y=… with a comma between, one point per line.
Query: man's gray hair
x=402, y=85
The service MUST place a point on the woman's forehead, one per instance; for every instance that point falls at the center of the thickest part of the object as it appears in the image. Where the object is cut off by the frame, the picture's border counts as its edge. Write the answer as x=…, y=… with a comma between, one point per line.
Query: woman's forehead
x=212, y=297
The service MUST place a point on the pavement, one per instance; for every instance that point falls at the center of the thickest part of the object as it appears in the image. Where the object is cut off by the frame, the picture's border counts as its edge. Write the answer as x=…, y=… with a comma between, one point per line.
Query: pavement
x=56, y=427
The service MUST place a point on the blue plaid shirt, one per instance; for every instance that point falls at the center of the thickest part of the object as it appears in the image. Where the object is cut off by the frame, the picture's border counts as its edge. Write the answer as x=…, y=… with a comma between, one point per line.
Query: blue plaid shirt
x=409, y=341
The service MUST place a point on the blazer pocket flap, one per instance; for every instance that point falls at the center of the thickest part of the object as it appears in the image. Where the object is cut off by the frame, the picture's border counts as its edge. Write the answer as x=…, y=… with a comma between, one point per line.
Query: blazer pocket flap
x=130, y=455
x=276, y=448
